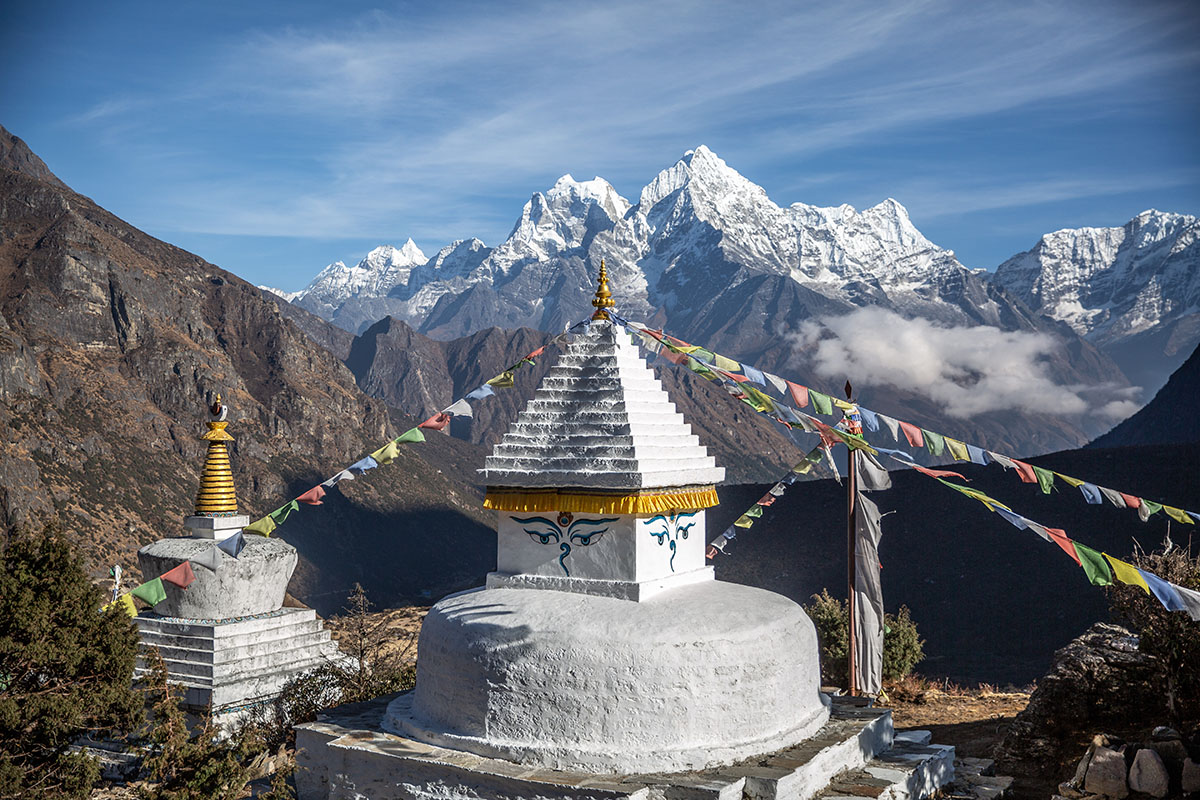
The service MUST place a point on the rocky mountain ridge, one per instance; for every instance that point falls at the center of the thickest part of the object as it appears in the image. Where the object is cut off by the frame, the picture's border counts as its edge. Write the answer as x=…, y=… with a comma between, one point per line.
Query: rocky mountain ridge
x=111, y=345
x=1132, y=290
x=705, y=253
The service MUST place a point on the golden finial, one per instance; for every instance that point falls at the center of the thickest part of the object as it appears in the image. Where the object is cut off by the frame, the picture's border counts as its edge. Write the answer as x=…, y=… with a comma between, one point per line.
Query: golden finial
x=603, y=299
x=216, y=496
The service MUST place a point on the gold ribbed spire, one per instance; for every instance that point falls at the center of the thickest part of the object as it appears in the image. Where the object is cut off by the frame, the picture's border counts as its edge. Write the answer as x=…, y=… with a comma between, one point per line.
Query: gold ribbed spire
x=216, y=496
x=603, y=299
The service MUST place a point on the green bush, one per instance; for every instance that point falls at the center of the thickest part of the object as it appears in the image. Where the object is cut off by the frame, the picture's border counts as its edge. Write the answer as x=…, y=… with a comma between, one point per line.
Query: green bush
x=66, y=669
x=902, y=645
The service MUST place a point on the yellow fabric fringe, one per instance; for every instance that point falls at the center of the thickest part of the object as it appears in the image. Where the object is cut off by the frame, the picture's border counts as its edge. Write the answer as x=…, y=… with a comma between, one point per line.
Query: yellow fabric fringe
x=695, y=499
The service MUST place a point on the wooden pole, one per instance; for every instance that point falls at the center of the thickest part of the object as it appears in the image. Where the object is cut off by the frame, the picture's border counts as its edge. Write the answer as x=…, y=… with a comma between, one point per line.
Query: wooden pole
x=851, y=496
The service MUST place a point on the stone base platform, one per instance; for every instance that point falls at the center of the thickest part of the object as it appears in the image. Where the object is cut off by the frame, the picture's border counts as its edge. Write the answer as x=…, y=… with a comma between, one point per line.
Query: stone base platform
x=235, y=663
x=347, y=754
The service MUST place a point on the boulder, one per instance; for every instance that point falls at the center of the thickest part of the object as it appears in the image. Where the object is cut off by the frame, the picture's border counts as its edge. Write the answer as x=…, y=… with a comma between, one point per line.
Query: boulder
x=1148, y=774
x=1191, y=776
x=1106, y=774
x=1093, y=683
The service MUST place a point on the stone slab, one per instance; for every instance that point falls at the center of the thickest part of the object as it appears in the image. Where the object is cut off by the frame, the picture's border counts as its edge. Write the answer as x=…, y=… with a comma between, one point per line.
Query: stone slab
x=346, y=754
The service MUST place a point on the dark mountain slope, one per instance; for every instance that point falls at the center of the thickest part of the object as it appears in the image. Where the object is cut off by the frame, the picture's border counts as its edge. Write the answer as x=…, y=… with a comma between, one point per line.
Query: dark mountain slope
x=410, y=371
x=992, y=602
x=111, y=344
x=1167, y=419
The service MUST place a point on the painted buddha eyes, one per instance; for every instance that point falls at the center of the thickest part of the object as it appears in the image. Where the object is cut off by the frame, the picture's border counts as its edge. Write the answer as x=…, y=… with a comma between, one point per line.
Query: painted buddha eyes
x=547, y=531
x=669, y=528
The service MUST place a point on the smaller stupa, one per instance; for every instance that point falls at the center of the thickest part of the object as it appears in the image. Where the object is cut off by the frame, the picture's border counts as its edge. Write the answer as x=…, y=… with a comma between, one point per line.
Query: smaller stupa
x=226, y=638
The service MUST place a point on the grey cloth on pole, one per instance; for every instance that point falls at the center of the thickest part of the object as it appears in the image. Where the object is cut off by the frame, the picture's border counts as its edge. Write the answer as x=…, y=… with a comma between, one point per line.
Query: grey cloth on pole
x=872, y=476
x=868, y=598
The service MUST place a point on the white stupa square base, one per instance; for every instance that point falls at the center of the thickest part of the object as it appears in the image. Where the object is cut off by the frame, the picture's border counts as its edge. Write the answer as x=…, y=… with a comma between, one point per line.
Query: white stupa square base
x=347, y=754
x=216, y=528
x=232, y=664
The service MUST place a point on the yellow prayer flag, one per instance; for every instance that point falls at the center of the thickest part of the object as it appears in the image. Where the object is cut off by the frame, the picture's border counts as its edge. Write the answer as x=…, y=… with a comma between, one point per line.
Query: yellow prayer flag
x=727, y=364
x=744, y=521
x=1179, y=515
x=1073, y=481
x=842, y=404
x=1127, y=573
x=502, y=381
x=957, y=449
x=125, y=603
x=387, y=453
x=262, y=526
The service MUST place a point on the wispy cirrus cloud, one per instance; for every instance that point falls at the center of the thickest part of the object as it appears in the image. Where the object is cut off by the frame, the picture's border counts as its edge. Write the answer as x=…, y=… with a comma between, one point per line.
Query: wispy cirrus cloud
x=438, y=121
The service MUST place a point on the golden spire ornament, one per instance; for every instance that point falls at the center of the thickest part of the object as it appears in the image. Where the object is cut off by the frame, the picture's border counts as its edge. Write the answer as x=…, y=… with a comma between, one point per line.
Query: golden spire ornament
x=603, y=299
x=216, y=497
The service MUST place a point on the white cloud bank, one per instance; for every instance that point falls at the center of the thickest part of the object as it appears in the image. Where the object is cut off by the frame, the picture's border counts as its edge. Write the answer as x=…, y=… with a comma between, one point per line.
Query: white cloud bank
x=965, y=370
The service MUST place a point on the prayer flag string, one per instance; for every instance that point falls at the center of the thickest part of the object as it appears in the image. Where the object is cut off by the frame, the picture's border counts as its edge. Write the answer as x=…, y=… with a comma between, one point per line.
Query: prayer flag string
x=737, y=375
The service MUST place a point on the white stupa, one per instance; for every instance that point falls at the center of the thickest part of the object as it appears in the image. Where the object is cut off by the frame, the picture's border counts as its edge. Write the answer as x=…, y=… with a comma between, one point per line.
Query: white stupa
x=602, y=643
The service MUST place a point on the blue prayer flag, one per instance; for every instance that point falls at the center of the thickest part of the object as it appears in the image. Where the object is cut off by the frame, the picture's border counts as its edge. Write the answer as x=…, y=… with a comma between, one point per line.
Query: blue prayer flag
x=1164, y=591
x=977, y=455
x=233, y=545
x=1016, y=519
x=1091, y=493
x=754, y=375
x=482, y=392
x=869, y=420
x=363, y=465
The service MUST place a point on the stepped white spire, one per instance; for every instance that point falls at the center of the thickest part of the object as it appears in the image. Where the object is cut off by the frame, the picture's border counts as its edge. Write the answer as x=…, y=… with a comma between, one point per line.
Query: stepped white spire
x=601, y=420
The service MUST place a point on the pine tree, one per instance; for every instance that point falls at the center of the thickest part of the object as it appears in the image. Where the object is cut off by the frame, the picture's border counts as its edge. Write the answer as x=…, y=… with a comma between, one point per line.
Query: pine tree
x=66, y=669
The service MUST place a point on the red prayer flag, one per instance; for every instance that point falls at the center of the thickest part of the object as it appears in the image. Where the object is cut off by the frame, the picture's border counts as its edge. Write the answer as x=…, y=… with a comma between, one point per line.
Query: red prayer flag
x=734, y=376
x=1026, y=473
x=1060, y=538
x=938, y=473
x=437, y=422
x=767, y=499
x=913, y=434
x=313, y=496
x=799, y=393
x=1130, y=500
x=711, y=553
x=673, y=356
x=537, y=352
x=181, y=576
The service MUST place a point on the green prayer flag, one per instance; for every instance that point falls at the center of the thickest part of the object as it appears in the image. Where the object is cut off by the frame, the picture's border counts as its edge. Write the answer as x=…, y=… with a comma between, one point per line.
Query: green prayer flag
x=1045, y=478
x=150, y=591
x=705, y=355
x=935, y=442
x=990, y=502
x=698, y=367
x=1094, y=565
x=822, y=403
x=504, y=380
x=744, y=521
x=409, y=436
x=1151, y=508
x=755, y=511
x=280, y=514
x=262, y=526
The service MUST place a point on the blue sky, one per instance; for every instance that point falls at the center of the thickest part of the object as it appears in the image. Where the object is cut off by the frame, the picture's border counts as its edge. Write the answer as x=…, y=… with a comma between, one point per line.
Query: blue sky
x=272, y=138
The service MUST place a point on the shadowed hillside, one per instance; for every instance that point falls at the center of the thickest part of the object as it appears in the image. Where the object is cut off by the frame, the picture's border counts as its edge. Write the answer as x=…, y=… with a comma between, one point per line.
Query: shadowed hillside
x=992, y=602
